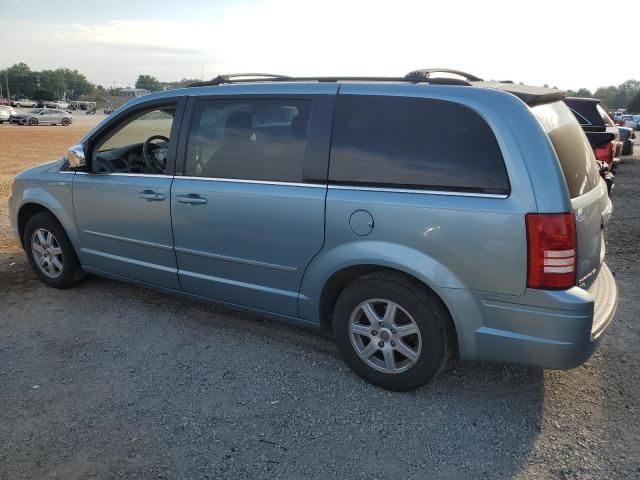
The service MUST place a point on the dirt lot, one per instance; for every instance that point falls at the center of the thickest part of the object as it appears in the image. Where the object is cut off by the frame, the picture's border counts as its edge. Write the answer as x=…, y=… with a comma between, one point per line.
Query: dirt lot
x=22, y=147
x=113, y=381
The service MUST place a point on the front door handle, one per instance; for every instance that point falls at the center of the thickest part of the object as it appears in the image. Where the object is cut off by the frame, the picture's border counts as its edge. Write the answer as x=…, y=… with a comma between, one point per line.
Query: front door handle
x=151, y=196
x=192, y=199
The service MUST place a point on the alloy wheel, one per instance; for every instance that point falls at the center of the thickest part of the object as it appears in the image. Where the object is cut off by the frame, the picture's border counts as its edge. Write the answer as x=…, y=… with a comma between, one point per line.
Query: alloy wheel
x=47, y=253
x=385, y=336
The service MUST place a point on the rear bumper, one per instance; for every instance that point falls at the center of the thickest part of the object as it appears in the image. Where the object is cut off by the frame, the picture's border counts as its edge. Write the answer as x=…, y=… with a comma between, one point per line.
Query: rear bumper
x=547, y=329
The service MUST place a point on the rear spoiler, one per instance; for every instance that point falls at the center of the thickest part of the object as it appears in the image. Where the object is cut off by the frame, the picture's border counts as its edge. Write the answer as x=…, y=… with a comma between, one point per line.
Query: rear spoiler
x=532, y=96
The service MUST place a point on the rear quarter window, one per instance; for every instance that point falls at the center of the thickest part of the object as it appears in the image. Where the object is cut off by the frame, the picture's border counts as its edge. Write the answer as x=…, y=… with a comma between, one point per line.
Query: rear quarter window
x=414, y=143
x=574, y=152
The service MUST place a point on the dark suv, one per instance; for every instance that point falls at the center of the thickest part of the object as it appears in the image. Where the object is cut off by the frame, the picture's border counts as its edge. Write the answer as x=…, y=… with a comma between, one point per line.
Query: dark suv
x=596, y=123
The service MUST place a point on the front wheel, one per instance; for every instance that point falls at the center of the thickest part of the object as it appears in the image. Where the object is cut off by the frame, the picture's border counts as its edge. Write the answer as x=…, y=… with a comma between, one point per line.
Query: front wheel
x=65, y=122
x=50, y=252
x=392, y=331
x=33, y=121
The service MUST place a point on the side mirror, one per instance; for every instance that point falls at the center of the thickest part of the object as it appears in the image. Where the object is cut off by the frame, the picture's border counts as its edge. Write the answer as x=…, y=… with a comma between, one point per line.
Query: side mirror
x=76, y=157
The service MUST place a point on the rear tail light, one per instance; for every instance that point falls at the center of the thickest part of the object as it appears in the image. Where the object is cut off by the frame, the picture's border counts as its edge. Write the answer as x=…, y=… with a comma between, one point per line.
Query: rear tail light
x=604, y=152
x=552, y=250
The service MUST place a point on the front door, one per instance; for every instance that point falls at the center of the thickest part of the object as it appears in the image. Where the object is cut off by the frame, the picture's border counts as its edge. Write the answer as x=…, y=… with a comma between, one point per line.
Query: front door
x=246, y=219
x=122, y=205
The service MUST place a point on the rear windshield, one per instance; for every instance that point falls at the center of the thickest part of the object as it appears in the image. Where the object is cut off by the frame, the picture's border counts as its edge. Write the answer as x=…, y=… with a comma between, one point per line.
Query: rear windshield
x=571, y=145
x=606, y=119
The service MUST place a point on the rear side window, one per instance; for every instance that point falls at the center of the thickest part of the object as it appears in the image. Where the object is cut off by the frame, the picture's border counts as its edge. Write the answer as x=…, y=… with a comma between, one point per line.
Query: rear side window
x=414, y=143
x=571, y=145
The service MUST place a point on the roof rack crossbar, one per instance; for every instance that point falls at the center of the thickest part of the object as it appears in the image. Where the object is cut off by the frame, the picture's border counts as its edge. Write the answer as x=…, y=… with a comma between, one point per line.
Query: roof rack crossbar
x=427, y=72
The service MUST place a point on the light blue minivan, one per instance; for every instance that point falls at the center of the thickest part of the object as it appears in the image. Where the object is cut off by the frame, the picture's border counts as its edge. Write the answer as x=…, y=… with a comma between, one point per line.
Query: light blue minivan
x=414, y=218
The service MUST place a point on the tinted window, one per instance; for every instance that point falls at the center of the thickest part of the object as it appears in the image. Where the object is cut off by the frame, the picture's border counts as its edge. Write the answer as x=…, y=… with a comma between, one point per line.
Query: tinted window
x=249, y=139
x=580, y=118
x=571, y=145
x=414, y=143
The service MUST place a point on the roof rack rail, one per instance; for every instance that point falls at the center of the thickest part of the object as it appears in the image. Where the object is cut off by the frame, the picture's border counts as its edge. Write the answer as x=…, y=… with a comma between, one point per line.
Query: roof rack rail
x=229, y=78
x=427, y=72
x=262, y=77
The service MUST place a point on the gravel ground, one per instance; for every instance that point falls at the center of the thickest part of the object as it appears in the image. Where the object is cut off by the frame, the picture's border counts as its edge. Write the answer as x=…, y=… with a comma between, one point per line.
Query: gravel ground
x=113, y=381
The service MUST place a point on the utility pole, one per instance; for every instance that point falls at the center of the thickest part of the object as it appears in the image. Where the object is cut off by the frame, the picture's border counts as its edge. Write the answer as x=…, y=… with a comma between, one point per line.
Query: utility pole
x=6, y=72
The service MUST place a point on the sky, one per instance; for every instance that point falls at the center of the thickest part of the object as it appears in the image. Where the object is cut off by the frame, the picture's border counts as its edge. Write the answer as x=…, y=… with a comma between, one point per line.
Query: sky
x=113, y=41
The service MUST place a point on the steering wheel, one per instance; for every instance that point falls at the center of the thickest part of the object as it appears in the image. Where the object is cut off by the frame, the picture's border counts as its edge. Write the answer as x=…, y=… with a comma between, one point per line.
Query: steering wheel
x=156, y=159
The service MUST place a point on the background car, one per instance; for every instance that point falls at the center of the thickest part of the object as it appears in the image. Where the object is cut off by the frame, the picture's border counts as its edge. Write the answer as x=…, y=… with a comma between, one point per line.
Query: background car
x=24, y=102
x=627, y=135
x=632, y=121
x=59, y=104
x=43, y=116
x=602, y=133
x=6, y=113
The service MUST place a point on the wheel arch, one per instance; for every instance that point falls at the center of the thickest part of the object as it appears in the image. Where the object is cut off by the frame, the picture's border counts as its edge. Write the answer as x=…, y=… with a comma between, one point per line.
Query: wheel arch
x=332, y=271
x=39, y=201
x=26, y=212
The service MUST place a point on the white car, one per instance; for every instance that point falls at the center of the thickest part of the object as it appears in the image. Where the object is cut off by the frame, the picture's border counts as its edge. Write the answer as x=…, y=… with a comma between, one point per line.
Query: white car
x=6, y=113
x=57, y=104
x=24, y=103
x=43, y=116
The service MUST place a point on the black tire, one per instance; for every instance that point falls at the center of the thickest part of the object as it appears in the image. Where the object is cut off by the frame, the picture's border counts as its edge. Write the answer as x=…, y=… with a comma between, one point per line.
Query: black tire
x=33, y=121
x=65, y=122
x=427, y=311
x=71, y=273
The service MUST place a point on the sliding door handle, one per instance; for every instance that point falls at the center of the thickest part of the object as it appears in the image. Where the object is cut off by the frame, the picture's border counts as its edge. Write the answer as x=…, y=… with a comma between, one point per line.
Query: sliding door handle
x=151, y=196
x=191, y=199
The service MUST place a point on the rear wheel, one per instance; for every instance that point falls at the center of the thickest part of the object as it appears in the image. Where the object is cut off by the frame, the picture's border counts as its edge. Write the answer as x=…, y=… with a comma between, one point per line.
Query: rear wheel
x=33, y=121
x=65, y=122
x=50, y=252
x=392, y=331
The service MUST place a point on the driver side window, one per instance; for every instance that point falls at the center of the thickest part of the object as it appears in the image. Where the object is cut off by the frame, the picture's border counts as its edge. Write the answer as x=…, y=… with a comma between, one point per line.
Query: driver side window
x=140, y=144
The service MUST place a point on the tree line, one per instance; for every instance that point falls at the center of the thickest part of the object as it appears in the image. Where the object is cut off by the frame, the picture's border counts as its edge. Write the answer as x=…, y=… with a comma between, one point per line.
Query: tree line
x=71, y=84
x=152, y=84
x=626, y=95
x=45, y=84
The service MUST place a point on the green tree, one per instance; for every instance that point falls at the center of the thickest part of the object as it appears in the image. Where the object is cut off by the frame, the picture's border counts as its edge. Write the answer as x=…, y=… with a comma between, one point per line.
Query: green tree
x=583, y=93
x=22, y=81
x=149, y=83
x=634, y=104
x=61, y=82
x=45, y=95
x=607, y=95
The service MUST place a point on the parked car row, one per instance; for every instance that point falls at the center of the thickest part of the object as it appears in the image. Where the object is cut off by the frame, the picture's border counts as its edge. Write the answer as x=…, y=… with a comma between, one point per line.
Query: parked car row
x=346, y=204
x=607, y=140
x=627, y=120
